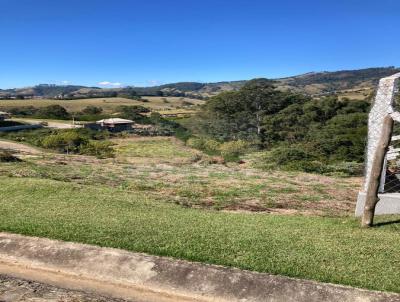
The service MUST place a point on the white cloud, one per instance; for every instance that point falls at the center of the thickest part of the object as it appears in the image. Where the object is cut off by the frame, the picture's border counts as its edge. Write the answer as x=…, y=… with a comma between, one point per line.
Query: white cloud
x=113, y=84
x=65, y=82
x=147, y=83
x=154, y=82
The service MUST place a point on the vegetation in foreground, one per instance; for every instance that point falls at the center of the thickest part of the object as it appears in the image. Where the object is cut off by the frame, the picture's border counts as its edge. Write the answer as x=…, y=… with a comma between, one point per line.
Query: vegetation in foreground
x=326, y=249
x=169, y=171
x=151, y=198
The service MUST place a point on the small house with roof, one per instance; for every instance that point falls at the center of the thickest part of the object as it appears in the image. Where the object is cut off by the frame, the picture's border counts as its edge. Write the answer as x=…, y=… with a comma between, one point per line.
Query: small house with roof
x=111, y=124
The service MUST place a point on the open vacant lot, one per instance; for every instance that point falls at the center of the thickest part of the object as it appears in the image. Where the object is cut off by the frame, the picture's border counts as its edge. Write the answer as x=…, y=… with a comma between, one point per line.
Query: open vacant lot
x=168, y=170
x=160, y=197
x=108, y=104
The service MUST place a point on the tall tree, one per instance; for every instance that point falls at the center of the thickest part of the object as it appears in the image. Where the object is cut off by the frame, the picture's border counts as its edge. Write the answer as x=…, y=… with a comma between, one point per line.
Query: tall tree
x=241, y=114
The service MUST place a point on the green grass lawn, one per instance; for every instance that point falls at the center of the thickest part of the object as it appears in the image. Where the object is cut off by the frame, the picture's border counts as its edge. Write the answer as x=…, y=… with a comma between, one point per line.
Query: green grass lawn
x=333, y=250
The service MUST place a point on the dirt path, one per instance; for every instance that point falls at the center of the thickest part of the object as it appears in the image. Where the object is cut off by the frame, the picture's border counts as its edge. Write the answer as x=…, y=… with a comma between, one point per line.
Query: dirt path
x=50, y=124
x=17, y=147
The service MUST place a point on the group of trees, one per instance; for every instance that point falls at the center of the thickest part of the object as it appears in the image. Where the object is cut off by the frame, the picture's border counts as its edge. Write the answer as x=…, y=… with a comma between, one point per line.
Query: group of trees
x=48, y=112
x=241, y=114
x=56, y=112
x=89, y=113
x=325, y=129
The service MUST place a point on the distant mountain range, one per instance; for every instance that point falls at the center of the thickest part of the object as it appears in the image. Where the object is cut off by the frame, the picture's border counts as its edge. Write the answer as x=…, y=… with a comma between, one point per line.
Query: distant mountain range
x=346, y=83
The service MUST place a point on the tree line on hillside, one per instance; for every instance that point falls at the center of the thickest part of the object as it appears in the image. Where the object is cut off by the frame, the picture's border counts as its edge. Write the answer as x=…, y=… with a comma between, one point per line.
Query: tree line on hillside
x=70, y=92
x=344, y=79
x=89, y=113
x=298, y=132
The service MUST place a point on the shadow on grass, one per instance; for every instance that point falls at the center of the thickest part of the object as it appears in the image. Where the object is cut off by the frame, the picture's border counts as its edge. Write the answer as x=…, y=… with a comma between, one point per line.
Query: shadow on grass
x=380, y=224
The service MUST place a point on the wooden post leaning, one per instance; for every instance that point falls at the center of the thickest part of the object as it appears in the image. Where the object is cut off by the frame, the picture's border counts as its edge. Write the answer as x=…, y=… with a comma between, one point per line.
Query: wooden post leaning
x=376, y=172
x=380, y=127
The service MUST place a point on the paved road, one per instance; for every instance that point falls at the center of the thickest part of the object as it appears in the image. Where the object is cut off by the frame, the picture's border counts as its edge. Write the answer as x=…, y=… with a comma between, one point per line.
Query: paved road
x=18, y=290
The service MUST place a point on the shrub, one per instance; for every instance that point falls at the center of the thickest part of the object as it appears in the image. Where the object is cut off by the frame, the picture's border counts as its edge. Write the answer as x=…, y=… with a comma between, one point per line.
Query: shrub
x=23, y=111
x=100, y=149
x=48, y=112
x=92, y=110
x=168, y=127
x=92, y=134
x=90, y=117
x=232, y=150
x=187, y=103
x=33, y=137
x=286, y=155
x=209, y=146
x=134, y=113
x=66, y=141
x=53, y=111
x=346, y=169
x=298, y=158
x=309, y=166
x=196, y=143
x=182, y=133
x=83, y=141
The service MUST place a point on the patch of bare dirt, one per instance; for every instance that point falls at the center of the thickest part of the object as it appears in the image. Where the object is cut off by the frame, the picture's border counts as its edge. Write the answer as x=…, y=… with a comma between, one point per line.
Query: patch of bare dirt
x=18, y=148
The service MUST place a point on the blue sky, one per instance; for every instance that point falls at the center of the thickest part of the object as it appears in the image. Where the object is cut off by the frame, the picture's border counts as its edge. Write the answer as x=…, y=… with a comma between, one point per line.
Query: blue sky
x=150, y=42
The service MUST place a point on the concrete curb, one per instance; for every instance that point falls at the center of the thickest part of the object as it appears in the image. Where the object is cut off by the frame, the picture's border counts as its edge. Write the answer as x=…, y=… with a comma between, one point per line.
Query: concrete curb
x=140, y=277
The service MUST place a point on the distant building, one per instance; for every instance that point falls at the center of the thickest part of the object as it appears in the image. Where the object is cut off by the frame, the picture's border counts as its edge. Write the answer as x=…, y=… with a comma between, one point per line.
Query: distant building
x=111, y=124
x=4, y=115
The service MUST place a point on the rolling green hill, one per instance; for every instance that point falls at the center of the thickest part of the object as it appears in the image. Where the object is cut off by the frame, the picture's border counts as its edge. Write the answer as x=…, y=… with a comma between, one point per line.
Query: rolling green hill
x=357, y=84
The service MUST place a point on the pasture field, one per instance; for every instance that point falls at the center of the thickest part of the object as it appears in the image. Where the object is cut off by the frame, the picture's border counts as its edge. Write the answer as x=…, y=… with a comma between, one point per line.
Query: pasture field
x=356, y=93
x=165, y=104
x=161, y=197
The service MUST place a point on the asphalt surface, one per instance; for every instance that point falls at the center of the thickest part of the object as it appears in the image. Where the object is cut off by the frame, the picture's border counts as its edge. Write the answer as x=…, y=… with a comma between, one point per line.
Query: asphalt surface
x=16, y=290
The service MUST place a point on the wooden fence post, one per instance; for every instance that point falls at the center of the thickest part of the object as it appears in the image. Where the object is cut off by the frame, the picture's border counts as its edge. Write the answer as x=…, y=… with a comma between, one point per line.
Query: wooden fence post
x=376, y=171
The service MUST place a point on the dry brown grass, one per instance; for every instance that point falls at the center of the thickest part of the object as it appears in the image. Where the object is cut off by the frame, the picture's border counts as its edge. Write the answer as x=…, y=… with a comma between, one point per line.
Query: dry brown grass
x=170, y=171
x=108, y=104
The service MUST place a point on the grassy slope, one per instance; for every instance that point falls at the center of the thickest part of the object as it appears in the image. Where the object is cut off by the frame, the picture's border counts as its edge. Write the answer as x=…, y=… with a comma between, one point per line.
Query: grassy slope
x=326, y=249
x=166, y=169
